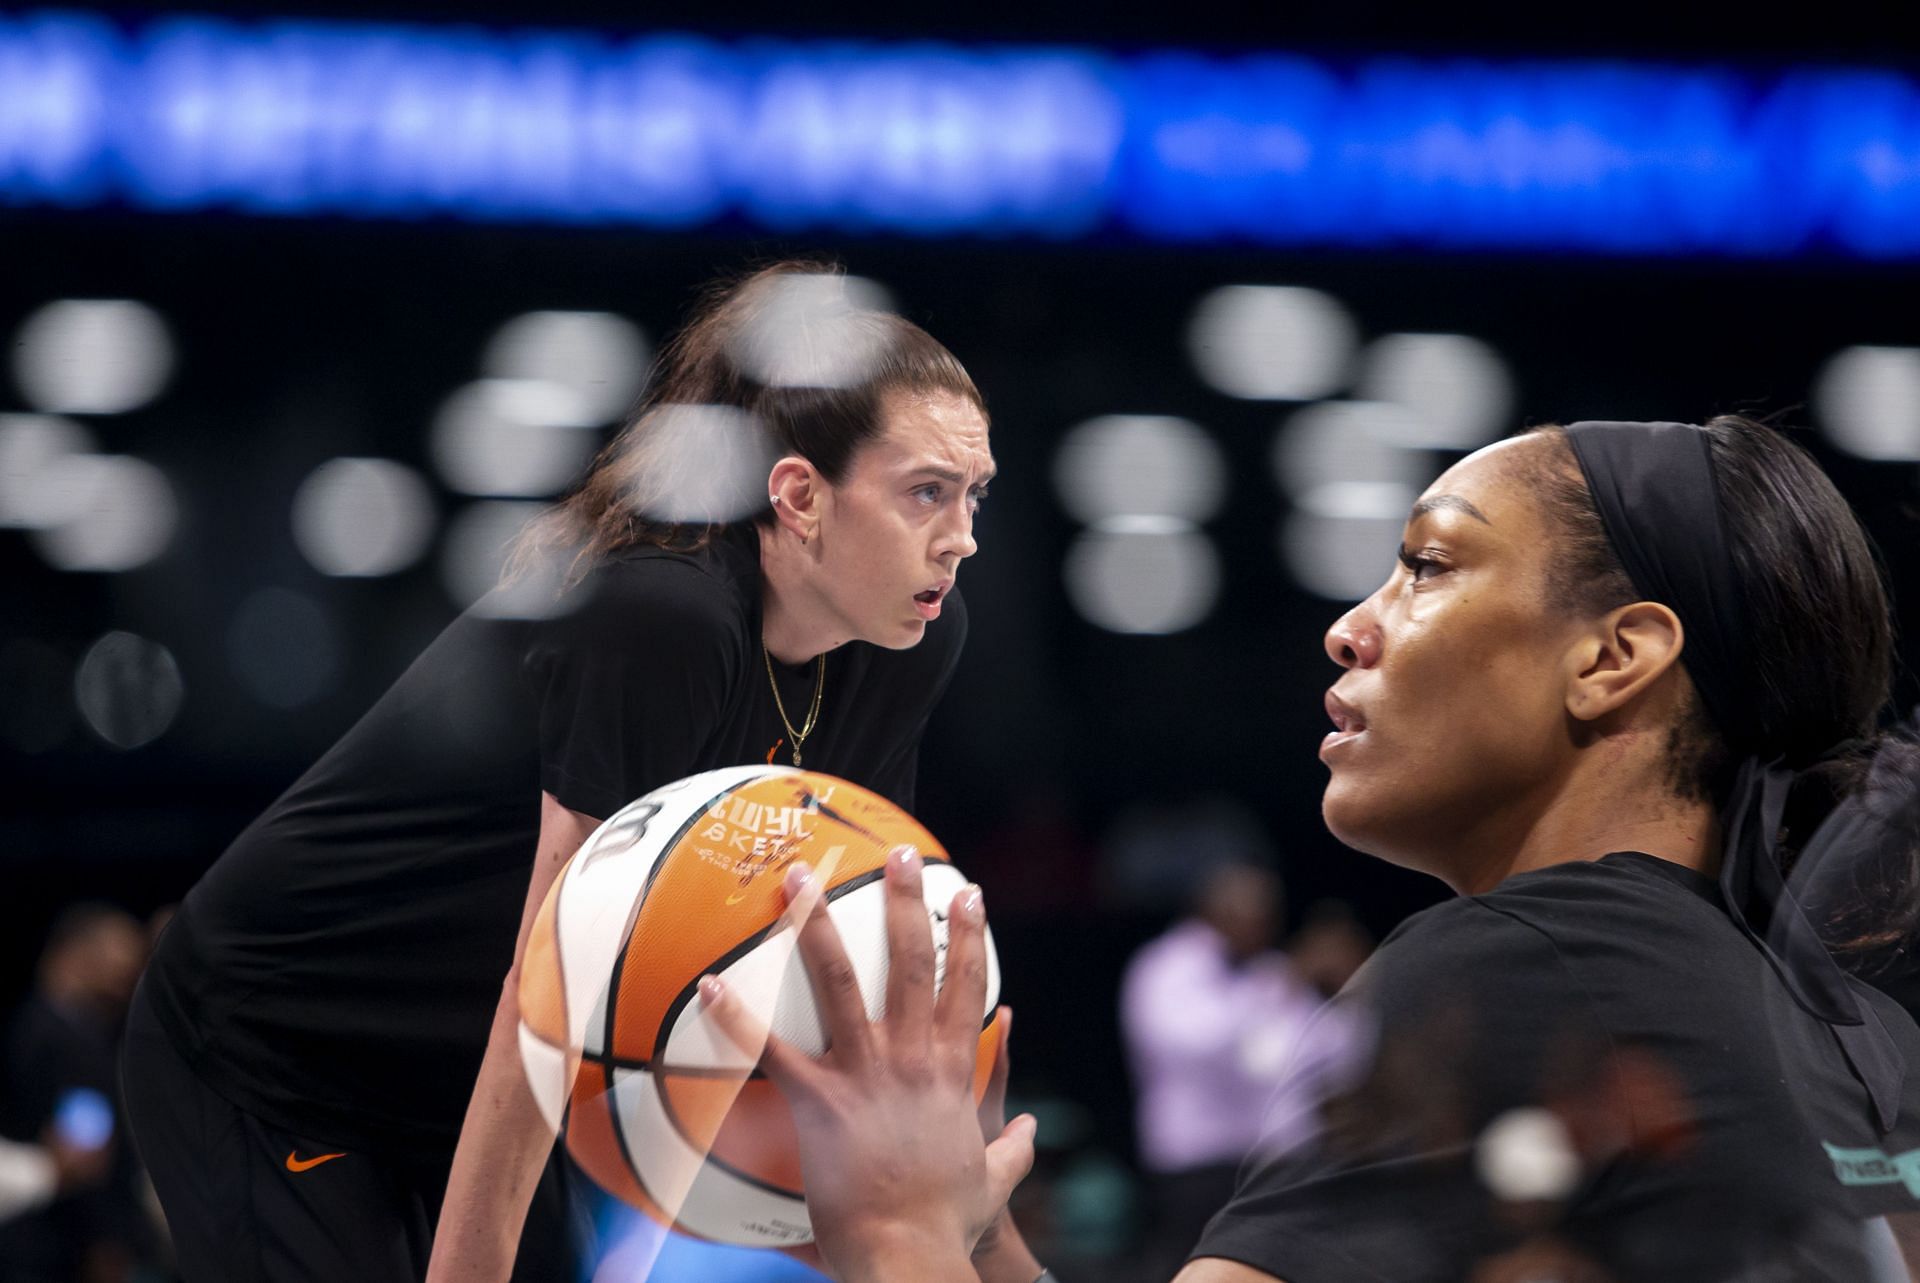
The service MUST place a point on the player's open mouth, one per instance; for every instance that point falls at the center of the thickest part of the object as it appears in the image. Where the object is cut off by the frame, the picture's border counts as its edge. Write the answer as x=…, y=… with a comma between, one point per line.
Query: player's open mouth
x=928, y=602
x=1347, y=723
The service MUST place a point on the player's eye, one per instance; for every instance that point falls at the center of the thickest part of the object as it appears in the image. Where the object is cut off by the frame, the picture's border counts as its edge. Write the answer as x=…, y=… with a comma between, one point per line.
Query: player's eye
x=929, y=493
x=1419, y=565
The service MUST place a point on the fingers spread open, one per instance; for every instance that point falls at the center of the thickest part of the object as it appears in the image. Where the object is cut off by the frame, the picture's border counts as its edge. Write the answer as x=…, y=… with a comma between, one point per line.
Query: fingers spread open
x=910, y=955
x=963, y=995
x=836, y=985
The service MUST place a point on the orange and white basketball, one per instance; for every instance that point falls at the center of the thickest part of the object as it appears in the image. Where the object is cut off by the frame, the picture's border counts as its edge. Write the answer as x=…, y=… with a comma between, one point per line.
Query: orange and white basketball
x=659, y=1106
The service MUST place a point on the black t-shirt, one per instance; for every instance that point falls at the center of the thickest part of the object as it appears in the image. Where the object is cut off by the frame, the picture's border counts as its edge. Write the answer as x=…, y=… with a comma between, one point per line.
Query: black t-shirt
x=337, y=969
x=1724, y=1134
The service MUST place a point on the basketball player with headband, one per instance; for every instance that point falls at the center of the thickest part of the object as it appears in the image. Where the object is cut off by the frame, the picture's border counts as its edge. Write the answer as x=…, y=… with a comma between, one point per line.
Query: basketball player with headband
x=1621, y=695
x=322, y=1061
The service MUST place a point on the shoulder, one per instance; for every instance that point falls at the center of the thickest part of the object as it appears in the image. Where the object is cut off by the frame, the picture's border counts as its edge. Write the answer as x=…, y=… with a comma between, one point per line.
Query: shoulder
x=1615, y=917
x=1632, y=927
x=1573, y=940
x=1460, y=947
x=1628, y=951
x=1622, y=885
x=656, y=593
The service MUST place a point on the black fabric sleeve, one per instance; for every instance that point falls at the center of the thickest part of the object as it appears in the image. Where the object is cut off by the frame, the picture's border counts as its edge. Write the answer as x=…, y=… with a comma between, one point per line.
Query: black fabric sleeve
x=919, y=687
x=631, y=684
x=1476, y=1014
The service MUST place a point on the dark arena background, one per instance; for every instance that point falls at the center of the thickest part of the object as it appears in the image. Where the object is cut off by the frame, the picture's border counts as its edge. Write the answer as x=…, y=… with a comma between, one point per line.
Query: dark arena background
x=306, y=308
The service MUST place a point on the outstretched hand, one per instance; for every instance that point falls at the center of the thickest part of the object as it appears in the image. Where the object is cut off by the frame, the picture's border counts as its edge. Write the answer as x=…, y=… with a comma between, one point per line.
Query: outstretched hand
x=900, y=1181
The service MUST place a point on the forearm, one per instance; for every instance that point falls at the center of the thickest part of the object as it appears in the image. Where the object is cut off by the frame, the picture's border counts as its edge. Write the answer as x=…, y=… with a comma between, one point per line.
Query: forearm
x=504, y=1145
x=907, y=1260
x=914, y=1269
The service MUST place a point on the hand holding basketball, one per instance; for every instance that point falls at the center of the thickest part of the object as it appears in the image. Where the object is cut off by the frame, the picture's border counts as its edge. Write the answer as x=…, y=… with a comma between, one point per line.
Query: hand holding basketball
x=897, y=1172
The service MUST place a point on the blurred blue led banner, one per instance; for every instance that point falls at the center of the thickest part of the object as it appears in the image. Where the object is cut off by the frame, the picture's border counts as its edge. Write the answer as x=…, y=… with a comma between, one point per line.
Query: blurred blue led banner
x=675, y=131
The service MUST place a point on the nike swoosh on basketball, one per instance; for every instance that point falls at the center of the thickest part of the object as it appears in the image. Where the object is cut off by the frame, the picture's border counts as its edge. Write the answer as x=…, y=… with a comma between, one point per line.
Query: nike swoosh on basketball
x=298, y=1164
x=736, y=897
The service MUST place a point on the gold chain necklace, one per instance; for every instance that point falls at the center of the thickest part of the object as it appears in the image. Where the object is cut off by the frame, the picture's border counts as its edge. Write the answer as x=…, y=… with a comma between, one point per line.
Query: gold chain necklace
x=798, y=737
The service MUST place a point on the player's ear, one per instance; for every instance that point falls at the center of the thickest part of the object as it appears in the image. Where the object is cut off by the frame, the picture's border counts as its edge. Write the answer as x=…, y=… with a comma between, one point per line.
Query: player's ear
x=1623, y=654
x=796, y=490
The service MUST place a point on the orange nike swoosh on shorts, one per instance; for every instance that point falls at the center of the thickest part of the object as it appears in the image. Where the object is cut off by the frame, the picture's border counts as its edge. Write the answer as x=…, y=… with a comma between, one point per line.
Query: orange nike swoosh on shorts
x=297, y=1164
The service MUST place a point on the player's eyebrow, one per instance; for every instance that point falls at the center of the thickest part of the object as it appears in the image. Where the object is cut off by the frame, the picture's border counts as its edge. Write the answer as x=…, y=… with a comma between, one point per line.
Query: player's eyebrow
x=950, y=476
x=1453, y=501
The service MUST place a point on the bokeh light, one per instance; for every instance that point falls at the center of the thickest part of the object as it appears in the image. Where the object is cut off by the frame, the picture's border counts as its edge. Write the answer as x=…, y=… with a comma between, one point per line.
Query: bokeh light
x=102, y=512
x=1139, y=465
x=1339, y=557
x=1456, y=389
x=1271, y=342
x=284, y=647
x=479, y=541
x=703, y=463
x=598, y=356
x=1868, y=401
x=1526, y=1155
x=1143, y=575
x=812, y=330
x=512, y=437
x=92, y=356
x=128, y=689
x=30, y=444
x=360, y=517
x=1339, y=442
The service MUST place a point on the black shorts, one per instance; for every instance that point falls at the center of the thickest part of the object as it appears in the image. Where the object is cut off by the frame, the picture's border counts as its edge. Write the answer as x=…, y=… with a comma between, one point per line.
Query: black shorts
x=247, y=1201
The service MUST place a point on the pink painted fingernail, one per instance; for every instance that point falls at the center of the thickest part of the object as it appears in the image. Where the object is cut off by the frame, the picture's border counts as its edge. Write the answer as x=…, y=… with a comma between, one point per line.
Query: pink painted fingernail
x=799, y=875
x=970, y=902
x=711, y=990
x=904, y=859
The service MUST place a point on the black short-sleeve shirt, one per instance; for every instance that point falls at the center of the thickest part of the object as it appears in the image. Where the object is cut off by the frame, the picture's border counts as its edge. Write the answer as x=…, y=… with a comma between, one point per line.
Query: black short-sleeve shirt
x=337, y=969
x=1723, y=1134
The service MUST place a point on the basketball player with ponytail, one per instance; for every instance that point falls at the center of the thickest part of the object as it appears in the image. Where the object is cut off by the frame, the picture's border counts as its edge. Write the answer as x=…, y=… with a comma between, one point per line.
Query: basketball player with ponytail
x=322, y=1061
x=1623, y=694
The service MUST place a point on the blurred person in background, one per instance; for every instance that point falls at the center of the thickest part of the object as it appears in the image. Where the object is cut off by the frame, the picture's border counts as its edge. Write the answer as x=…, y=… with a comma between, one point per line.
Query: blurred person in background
x=31, y=1176
x=323, y=1064
x=1215, y=1018
x=1623, y=696
x=1329, y=947
x=91, y=1224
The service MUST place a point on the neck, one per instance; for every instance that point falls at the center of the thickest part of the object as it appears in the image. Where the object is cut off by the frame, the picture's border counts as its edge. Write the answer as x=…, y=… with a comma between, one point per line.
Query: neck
x=1605, y=806
x=795, y=622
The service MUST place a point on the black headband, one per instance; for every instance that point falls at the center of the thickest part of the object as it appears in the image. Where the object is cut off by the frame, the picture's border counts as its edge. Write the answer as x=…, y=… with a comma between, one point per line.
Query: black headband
x=1653, y=484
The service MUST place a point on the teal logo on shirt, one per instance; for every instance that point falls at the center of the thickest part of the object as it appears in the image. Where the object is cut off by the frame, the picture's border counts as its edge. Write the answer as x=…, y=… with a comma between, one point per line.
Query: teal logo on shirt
x=1875, y=1167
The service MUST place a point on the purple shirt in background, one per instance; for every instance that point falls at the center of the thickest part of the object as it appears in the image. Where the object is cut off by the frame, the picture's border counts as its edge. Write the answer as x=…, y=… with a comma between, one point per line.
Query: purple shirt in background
x=1226, y=1058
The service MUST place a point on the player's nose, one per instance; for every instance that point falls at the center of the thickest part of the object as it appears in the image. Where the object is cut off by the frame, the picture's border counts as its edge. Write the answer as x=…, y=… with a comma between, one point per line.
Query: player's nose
x=956, y=539
x=1354, y=640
